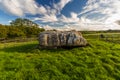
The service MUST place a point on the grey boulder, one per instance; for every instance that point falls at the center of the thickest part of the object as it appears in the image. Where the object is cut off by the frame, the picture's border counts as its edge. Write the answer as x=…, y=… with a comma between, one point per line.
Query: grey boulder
x=61, y=39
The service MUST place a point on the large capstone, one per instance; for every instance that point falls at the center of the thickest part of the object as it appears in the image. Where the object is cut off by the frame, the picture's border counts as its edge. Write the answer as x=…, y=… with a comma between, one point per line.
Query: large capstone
x=61, y=39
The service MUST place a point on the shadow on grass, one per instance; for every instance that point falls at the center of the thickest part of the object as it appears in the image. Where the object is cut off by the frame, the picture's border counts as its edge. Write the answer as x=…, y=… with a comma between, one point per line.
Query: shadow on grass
x=30, y=48
x=60, y=49
x=33, y=48
x=21, y=49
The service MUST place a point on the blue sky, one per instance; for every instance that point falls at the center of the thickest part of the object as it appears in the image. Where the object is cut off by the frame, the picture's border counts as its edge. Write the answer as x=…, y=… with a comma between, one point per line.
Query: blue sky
x=64, y=14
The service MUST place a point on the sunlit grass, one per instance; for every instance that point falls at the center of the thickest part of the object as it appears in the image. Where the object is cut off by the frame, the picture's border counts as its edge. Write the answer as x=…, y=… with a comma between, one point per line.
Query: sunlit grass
x=23, y=61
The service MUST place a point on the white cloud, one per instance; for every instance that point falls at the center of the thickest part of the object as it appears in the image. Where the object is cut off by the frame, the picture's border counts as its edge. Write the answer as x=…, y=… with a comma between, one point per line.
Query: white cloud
x=102, y=15
x=65, y=28
x=74, y=18
x=51, y=15
x=10, y=21
x=11, y=7
x=107, y=8
x=93, y=15
x=21, y=7
x=59, y=6
x=47, y=18
x=47, y=27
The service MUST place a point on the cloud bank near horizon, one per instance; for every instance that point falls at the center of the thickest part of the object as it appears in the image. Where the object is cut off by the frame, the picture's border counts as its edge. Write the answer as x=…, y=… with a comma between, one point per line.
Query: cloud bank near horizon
x=95, y=14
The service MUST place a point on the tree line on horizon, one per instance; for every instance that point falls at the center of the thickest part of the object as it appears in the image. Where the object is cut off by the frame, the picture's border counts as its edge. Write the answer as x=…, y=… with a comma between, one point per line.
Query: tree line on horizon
x=20, y=28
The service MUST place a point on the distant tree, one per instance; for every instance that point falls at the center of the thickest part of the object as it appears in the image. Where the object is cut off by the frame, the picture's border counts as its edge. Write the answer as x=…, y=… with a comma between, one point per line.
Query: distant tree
x=29, y=28
x=3, y=31
x=14, y=32
x=23, y=22
x=33, y=31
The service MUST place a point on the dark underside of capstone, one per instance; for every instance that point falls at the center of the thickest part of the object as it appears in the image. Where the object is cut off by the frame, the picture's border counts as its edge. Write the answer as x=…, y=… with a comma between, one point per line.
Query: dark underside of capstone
x=61, y=39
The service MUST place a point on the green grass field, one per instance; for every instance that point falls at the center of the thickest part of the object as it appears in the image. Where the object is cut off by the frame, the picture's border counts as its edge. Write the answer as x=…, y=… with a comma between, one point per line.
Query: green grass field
x=23, y=61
